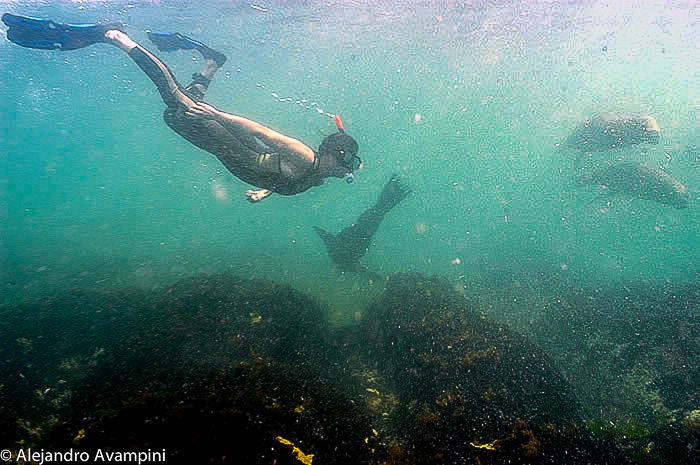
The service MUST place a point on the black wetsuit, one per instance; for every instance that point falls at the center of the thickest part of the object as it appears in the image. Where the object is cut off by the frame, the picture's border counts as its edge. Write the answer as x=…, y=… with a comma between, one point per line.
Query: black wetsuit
x=243, y=155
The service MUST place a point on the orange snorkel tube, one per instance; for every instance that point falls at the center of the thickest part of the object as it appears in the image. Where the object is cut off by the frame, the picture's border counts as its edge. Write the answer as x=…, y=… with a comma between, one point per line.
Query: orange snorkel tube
x=339, y=123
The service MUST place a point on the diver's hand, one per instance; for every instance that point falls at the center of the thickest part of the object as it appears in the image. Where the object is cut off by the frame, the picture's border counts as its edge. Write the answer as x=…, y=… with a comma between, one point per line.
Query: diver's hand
x=202, y=109
x=257, y=196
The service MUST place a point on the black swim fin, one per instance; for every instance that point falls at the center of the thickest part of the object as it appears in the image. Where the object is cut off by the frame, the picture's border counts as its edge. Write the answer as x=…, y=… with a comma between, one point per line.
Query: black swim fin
x=45, y=34
x=172, y=41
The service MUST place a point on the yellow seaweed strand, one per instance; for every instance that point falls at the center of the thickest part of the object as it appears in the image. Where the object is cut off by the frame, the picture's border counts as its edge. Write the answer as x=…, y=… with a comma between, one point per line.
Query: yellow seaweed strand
x=296, y=452
x=490, y=446
x=284, y=441
x=79, y=437
x=302, y=457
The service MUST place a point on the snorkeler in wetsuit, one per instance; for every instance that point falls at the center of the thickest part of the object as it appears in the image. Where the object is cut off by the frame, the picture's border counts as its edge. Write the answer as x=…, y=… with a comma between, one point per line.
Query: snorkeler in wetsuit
x=256, y=154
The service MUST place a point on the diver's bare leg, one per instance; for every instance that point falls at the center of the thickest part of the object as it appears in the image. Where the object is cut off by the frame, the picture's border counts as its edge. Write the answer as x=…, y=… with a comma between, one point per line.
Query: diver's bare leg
x=200, y=81
x=213, y=60
x=171, y=92
x=121, y=40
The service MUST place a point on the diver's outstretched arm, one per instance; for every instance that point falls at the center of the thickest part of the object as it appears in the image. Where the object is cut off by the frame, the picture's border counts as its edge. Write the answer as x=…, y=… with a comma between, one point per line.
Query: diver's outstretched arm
x=120, y=40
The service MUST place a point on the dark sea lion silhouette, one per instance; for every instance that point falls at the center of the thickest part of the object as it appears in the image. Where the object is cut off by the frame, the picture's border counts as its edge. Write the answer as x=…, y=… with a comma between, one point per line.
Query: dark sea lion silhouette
x=611, y=131
x=641, y=181
x=347, y=247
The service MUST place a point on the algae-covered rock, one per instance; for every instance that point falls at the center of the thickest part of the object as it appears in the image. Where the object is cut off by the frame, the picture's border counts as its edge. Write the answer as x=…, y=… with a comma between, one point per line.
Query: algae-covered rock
x=442, y=355
x=223, y=369
x=462, y=380
x=631, y=351
x=691, y=420
x=213, y=369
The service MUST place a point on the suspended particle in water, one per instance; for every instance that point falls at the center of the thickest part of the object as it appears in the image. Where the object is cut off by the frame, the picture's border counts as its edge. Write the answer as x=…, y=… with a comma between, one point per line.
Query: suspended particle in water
x=219, y=191
x=417, y=117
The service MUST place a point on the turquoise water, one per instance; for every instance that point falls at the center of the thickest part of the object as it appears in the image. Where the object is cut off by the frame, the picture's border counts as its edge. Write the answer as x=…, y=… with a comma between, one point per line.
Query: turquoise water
x=467, y=100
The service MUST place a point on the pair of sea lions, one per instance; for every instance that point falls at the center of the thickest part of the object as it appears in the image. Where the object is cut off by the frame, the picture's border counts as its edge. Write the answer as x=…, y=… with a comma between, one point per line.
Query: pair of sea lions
x=612, y=131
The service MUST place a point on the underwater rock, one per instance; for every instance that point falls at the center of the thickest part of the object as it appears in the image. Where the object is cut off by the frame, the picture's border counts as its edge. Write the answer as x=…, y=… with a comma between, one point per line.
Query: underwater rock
x=433, y=343
x=222, y=369
x=231, y=417
x=674, y=443
x=691, y=420
x=212, y=369
x=461, y=380
x=639, y=339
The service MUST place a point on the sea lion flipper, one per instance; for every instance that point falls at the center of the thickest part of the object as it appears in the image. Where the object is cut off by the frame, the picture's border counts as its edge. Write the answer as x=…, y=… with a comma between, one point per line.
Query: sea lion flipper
x=328, y=239
x=393, y=193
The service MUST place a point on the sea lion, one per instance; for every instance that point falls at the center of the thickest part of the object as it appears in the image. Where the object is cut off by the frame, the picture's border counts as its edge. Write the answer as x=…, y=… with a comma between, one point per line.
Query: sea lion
x=612, y=131
x=641, y=181
x=347, y=247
